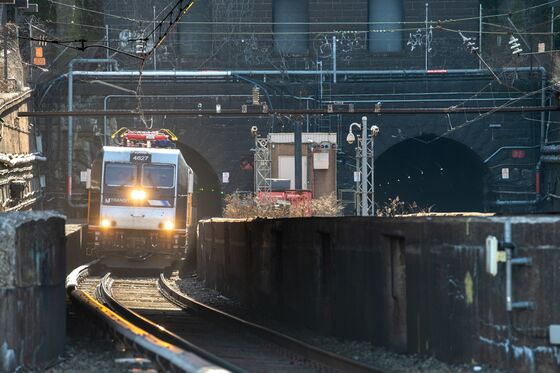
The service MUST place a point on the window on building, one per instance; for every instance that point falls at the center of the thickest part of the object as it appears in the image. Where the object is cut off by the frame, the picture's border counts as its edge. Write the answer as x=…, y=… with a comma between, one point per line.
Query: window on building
x=291, y=26
x=385, y=15
x=195, y=30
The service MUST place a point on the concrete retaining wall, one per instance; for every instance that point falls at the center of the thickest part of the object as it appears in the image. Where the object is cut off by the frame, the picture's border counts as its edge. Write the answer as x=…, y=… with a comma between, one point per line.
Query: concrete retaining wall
x=32, y=296
x=415, y=285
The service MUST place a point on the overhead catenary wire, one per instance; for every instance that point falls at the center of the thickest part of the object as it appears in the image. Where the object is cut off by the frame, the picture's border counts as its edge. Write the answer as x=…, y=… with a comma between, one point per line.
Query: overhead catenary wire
x=452, y=20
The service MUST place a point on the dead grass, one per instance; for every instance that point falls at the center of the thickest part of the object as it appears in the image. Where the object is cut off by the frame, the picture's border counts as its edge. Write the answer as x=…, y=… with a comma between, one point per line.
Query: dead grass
x=395, y=207
x=248, y=206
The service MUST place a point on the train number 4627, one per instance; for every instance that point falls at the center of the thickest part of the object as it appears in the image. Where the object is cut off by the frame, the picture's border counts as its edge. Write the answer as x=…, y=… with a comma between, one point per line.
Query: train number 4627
x=140, y=157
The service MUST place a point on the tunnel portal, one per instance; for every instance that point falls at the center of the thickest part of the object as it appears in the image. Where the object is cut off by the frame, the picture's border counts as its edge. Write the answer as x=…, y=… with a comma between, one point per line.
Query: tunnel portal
x=433, y=172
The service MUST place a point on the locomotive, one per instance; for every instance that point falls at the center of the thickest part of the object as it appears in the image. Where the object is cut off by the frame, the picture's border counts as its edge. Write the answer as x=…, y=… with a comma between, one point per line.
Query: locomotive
x=138, y=201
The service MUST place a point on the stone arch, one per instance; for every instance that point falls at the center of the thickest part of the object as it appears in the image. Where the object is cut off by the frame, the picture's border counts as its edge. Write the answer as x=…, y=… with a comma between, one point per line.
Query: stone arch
x=431, y=171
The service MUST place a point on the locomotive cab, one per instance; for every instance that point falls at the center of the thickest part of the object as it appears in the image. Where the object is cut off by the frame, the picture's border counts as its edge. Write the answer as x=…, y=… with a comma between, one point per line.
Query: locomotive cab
x=137, y=211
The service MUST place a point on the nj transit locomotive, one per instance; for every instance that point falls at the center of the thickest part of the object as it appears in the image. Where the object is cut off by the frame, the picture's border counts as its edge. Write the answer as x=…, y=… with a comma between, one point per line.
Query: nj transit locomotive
x=138, y=202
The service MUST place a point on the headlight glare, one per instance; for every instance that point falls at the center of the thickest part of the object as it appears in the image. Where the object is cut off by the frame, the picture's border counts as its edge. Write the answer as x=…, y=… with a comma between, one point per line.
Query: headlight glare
x=138, y=194
x=168, y=225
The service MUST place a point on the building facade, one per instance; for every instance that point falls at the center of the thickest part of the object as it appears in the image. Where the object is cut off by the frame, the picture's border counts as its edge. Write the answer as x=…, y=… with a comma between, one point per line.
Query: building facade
x=319, y=54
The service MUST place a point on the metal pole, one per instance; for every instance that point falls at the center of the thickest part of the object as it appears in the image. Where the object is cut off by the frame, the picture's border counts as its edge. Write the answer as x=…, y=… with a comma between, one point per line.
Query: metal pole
x=297, y=155
x=507, y=239
x=552, y=29
x=70, y=122
x=320, y=63
x=334, y=58
x=70, y=134
x=307, y=117
x=364, y=167
x=30, y=52
x=480, y=36
x=358, y=194
x=5, y=48
x=372, y=177
x=154, y=41
x=426, y=31
x=107, y=43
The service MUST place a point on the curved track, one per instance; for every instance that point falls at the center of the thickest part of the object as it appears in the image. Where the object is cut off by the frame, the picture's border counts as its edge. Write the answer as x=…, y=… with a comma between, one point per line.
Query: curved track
x=217, y=338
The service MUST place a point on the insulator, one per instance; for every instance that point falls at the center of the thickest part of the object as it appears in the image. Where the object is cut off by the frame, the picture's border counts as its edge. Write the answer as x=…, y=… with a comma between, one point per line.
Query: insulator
x=256, y=95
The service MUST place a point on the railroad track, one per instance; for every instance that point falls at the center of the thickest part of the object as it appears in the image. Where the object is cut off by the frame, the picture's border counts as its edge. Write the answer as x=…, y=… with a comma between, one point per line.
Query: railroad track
x=217, y=339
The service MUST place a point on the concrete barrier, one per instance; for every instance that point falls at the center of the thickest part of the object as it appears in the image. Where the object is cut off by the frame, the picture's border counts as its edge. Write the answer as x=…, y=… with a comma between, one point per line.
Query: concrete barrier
x=414, y=284
x=75, y=252
x=32, y=295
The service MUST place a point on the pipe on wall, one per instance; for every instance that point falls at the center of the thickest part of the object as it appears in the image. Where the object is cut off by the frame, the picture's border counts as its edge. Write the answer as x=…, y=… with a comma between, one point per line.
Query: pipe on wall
x=71, y=124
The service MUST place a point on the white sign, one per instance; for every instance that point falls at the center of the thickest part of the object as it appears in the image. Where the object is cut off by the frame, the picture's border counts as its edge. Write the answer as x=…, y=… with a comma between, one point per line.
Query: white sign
x=225, y=177
x=505, y=173
x=357, y=176
x=83, y=176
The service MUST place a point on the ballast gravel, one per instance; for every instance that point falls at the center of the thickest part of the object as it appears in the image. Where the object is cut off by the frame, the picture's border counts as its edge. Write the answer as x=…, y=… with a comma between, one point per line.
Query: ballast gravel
x=361, y=351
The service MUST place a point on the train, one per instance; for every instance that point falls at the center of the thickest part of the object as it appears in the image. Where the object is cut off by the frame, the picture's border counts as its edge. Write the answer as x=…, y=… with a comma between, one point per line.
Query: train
x=139, y=202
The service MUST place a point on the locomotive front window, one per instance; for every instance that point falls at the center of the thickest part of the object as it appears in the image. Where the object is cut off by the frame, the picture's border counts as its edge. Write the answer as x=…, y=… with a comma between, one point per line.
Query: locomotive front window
x=158, y=176
x=120, y=174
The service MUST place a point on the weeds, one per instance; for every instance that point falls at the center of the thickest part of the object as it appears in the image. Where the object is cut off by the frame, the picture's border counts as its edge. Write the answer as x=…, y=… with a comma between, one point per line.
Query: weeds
x=249, y=206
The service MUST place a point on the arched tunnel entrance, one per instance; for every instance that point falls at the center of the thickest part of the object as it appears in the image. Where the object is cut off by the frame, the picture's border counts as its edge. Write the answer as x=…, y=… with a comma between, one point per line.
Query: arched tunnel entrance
x=441, y=173
x=207, y=192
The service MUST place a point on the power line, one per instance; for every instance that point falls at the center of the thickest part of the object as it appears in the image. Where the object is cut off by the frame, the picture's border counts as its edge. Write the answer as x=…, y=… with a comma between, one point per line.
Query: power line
x=433, y=23
x=496, y=109
x=97, y=12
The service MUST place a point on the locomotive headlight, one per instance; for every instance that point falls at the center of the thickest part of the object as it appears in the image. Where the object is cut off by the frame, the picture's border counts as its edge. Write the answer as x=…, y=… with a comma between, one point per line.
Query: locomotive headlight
x=138, y=194
x=168, y=225
x=105, y=223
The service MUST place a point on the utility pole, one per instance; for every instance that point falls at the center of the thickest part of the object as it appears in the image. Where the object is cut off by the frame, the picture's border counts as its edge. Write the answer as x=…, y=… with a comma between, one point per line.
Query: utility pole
x=334, y=58
x=154, y=40
x=365, y=186
x=364, y=167
x=480, y=36
x=427, y=46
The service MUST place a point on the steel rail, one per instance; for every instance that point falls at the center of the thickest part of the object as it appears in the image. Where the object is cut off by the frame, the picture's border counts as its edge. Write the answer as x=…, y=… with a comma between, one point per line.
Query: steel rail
x=176, y=358
x=308, y=351
x=260, y=111
x=105, y=293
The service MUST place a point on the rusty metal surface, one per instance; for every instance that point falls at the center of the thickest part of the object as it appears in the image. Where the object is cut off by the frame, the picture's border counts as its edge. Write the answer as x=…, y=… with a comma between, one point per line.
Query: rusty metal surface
x=412, y=284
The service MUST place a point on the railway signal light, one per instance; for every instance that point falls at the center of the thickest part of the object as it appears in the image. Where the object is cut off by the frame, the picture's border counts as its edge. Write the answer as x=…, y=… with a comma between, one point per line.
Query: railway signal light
x=514, y=45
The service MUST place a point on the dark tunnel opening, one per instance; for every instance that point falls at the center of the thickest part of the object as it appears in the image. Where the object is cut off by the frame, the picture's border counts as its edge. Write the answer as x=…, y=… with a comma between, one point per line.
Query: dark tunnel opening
x=441, y=173
x=207, y=190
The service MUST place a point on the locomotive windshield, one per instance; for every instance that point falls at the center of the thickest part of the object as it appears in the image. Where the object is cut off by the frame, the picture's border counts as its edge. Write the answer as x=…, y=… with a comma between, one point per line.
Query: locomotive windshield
x=120, y=174
x=158, y=176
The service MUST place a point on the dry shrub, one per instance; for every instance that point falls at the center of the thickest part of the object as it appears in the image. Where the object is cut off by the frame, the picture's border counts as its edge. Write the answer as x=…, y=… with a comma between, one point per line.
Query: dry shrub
x=326, y=206
x=395, y=207
x=248, y=206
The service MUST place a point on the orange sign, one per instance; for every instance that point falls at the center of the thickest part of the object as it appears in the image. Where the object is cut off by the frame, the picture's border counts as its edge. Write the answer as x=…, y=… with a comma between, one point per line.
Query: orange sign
x=39, y=59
